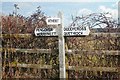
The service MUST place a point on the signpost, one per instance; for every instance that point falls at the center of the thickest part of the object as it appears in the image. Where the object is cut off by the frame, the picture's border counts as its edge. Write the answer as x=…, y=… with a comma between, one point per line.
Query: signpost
x=45, y=32
x=60, y=31
x=70, y=31
x=53, y=21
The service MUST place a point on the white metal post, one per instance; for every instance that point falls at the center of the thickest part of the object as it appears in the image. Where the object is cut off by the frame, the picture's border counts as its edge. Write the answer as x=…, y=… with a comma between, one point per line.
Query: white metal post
x=60, y=31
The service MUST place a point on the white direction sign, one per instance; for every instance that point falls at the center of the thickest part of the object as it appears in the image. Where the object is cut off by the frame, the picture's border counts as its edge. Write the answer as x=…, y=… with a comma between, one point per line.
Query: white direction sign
x=53, y=21
x=70, y=31
x=45, y=31
x=76, y=31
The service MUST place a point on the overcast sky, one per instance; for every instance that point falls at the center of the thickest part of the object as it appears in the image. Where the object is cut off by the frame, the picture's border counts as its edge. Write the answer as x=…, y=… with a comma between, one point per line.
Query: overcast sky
x=68, y=8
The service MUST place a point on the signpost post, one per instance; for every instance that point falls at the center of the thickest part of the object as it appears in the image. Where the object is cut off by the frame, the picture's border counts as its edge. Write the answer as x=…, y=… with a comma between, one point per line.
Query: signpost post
x=60, y=31
x=61, y=48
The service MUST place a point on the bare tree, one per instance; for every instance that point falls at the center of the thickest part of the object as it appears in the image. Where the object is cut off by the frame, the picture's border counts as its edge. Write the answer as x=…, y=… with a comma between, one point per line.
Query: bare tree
x=99, y=20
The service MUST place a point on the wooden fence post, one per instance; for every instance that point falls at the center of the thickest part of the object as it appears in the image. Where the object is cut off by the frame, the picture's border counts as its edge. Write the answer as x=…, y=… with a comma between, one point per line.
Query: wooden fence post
x=1, y=54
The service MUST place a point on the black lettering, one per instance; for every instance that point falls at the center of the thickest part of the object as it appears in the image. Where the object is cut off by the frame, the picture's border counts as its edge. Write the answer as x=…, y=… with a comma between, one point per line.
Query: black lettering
x=53, y=20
